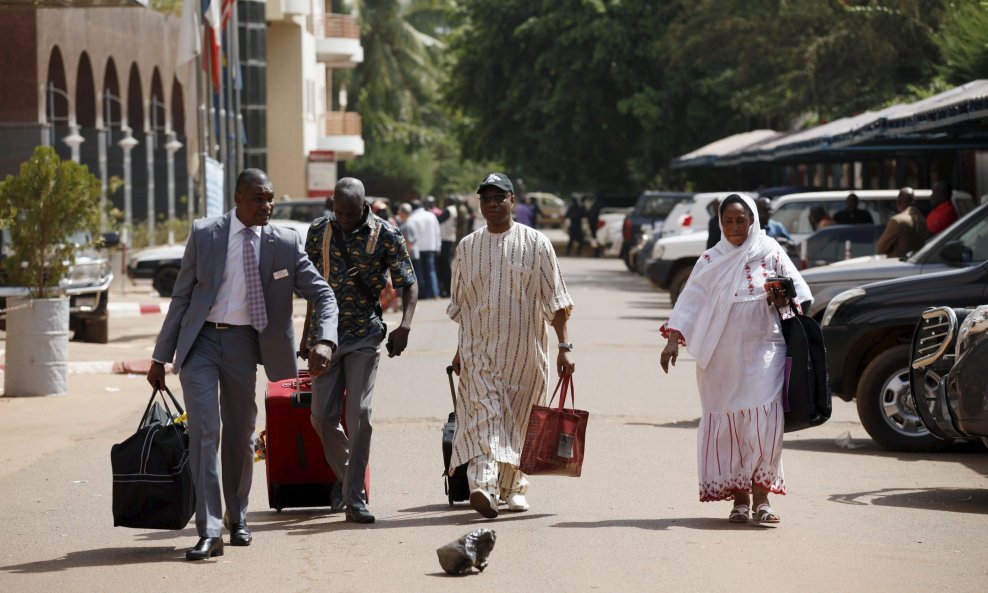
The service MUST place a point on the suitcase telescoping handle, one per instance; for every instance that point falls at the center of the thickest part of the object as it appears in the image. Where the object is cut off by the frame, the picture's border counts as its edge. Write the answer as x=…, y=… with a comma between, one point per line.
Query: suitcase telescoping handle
x=452, y=388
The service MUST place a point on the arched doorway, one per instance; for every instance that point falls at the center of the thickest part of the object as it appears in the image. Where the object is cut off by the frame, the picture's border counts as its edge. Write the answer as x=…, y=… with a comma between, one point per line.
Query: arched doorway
x=57, y=103
x=138, y=169
x=85, y=113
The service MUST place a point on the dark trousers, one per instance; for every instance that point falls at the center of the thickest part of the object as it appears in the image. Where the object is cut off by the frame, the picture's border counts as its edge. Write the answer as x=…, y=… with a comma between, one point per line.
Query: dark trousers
x=445, y=267
x=352, y=371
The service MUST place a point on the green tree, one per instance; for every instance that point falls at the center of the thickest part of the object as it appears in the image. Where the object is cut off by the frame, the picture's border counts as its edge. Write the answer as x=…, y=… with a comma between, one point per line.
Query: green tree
x=963, y=39
x=540, y=85
x=42, y=207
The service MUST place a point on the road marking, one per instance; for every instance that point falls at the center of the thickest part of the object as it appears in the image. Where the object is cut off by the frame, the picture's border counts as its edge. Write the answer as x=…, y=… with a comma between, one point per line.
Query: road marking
x=136, y=309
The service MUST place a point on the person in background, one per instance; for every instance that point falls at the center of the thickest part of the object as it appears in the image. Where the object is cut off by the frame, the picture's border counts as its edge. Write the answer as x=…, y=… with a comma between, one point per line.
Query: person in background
x=819, y=218
x=713, y=226
x=411, y=239
x=851, y=214
x=722, y=319
x=523, y=213
x=943, y=213
x=231, y=310
x=575, y=215
x=447, y=233
x=593, y=222
x=464, y=219
x=906, y=231
x=428, y=243
x=507, y=288
x=355, y=239
x=772, y=228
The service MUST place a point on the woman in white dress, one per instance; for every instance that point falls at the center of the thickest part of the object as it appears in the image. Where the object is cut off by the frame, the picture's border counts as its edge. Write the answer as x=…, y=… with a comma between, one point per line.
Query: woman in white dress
x=722, y=319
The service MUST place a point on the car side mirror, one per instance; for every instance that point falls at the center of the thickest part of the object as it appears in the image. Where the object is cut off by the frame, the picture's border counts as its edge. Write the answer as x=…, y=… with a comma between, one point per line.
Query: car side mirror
x=110, y=239
x=956, y=252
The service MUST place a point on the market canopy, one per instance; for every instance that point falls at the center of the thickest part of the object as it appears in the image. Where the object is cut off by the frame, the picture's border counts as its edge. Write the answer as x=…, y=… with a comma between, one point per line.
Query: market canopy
x=953, y=119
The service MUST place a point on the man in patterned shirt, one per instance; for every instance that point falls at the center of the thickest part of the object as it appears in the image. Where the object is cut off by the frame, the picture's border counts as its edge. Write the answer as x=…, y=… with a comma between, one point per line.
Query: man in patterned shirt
x=355, y=251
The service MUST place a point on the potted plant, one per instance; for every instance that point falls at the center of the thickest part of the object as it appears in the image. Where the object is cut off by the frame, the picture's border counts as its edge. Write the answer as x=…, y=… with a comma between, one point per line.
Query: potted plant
x=47, y=212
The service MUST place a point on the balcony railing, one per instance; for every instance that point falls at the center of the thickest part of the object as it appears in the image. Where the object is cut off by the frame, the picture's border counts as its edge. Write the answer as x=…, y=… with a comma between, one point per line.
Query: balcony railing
x=342, y=123
x=340, y=25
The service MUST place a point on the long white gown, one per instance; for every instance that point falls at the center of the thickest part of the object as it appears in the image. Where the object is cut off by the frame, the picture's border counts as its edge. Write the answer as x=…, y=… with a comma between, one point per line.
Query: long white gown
x=506, y=288
x=740, y=435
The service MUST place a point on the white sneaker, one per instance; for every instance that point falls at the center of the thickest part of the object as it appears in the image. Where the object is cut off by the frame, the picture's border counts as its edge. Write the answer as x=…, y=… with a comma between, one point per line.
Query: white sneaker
x=483, y=503
x=517, y=503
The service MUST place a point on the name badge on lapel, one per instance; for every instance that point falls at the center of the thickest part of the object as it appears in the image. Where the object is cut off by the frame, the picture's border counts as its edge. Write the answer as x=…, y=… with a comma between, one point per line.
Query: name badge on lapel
x=280, y=274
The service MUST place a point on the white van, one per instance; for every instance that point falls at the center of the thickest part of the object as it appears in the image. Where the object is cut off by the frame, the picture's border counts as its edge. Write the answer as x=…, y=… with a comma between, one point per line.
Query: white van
x=793, y=210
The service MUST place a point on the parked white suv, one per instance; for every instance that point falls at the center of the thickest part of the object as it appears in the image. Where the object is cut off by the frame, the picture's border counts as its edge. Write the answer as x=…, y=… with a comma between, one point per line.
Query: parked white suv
x=672, y=258
x=793, y=210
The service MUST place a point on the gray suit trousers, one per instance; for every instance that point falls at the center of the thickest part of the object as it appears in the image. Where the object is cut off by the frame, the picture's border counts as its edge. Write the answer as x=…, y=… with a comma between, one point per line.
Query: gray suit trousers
x=226, y=358
x=353, y=369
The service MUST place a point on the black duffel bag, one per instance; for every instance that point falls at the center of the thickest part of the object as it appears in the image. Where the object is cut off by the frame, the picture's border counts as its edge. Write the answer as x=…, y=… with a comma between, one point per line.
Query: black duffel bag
x=152, y=479
x=806, y=390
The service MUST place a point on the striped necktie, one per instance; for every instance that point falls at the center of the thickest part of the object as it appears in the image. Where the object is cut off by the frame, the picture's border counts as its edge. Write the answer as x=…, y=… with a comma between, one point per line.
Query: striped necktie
x=255, y=295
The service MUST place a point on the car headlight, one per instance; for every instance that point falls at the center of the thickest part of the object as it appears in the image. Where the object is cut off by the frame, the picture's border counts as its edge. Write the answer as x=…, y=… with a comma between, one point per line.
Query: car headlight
x=841, y=299
x=975, y=324
x=87, y=273
x=657, y=251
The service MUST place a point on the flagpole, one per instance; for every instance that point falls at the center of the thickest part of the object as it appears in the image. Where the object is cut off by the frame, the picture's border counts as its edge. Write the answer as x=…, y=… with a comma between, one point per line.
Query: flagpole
x=230, y=164
x=202, y=90
x=238, y=75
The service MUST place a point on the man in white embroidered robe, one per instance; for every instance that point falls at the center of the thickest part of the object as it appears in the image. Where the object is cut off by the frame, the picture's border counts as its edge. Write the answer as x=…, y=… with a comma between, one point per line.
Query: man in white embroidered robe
x=506, y=288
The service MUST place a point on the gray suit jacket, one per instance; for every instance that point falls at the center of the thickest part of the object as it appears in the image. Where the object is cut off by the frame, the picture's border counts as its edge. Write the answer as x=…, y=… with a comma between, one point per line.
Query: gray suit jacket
x=199, y=281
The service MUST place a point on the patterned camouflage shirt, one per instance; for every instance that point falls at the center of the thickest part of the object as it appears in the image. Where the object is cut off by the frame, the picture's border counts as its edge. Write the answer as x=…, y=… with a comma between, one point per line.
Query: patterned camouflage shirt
x=376, y=248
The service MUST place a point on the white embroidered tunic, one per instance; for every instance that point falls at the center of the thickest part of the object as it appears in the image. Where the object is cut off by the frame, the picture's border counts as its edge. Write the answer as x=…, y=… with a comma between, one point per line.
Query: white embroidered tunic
x=506, y=288
x=740, y=435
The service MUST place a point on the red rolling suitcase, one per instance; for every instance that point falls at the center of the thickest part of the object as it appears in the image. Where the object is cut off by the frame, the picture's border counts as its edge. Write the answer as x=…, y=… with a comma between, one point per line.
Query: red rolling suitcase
x=297, y=472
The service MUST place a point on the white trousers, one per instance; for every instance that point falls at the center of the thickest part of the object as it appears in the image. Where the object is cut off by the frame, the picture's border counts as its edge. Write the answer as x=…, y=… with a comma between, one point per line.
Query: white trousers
x=496, y=478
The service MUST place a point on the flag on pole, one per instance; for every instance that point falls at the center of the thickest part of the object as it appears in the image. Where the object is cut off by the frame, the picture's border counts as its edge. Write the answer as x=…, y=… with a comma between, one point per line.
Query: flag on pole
x=187, y=69
x=216, y=13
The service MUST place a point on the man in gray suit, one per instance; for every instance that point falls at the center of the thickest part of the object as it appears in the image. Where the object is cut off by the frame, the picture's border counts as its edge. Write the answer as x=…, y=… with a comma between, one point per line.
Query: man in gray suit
x=231, y=310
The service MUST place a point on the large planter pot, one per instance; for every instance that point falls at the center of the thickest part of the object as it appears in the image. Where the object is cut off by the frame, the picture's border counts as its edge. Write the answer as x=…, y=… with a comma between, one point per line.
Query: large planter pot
x=37, y=347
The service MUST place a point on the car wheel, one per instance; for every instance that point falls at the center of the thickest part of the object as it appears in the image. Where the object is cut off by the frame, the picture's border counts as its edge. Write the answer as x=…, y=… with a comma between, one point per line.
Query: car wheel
x=678, y=283
x=164, y=280
x=886, y=406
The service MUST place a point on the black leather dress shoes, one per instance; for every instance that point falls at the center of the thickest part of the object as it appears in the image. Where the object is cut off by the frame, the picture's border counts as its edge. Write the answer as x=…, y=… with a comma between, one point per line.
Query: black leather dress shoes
x=240, y=535
x=207, y=547
x=358, y=514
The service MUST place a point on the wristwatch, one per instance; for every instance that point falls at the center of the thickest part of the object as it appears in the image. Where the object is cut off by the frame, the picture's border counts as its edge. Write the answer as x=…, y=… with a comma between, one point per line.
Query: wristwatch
x=567, y=346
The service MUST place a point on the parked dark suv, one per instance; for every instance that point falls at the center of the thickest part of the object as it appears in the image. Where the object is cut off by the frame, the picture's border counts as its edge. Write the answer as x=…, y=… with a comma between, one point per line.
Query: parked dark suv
x=949, y=372
x=868, y=334
x=651, y=209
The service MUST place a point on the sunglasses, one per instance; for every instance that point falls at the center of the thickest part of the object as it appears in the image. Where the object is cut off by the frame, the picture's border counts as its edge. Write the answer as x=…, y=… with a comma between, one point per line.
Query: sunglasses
x=496, y=198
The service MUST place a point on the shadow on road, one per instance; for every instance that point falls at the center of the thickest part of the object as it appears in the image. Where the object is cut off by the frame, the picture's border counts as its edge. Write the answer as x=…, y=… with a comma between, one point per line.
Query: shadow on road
x=952, y=500
x=694, y=423
x=703, y=523
x=99, y=557
x=614, y=279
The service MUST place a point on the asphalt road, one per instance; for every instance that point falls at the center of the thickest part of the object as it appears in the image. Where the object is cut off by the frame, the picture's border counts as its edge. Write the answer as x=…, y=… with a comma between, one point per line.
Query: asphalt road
x=855, y=519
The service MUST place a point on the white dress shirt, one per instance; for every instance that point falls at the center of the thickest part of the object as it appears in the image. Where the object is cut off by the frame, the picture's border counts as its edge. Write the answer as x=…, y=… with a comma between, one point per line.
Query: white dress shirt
x=231, y=299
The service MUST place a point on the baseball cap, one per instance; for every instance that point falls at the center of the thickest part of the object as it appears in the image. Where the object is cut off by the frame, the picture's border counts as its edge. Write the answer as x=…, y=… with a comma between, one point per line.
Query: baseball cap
x=498, y=180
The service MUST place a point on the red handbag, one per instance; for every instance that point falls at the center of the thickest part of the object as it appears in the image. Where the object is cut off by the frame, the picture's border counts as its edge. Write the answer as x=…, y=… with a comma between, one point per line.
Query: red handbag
x=555, y=438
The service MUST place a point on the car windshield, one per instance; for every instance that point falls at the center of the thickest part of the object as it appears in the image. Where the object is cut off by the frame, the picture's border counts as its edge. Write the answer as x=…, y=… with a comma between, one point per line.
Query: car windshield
x=298, y=211
x=975, y=238
x=659, y=206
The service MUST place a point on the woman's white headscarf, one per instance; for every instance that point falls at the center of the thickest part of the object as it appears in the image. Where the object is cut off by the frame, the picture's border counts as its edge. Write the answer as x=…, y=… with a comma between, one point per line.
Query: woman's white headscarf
x=702, y=308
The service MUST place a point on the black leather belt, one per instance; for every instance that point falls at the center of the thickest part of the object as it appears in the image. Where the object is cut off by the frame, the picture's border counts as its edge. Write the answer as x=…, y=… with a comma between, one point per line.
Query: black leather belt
x=224, y=325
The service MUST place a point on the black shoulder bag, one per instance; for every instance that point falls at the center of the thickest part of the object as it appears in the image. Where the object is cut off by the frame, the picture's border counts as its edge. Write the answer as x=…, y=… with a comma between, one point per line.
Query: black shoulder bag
x=806, y=384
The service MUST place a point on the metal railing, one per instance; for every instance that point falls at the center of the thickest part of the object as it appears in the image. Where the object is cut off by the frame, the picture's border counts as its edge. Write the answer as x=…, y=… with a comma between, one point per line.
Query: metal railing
x=341, y=123
x=339, y=25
